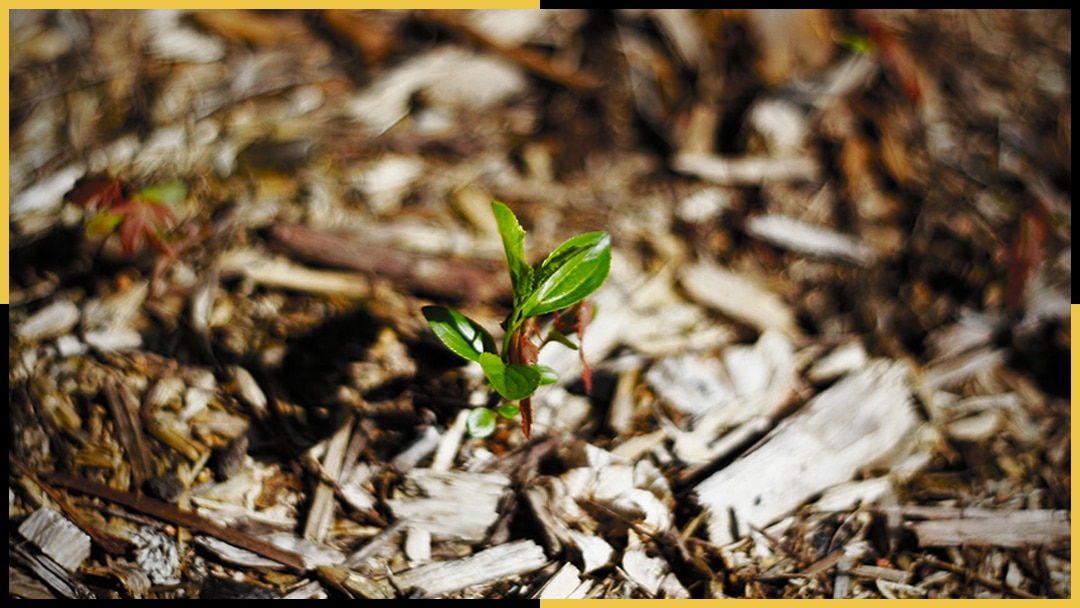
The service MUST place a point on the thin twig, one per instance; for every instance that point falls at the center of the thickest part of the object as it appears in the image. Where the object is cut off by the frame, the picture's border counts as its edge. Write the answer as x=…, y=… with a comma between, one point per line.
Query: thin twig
x=978, y=578
x=532, y=60
x=111, y=544
x=174, y=515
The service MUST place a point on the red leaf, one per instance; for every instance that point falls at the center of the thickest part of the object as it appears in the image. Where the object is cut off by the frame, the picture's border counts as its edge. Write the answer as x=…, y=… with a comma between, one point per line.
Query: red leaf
x=98, y=193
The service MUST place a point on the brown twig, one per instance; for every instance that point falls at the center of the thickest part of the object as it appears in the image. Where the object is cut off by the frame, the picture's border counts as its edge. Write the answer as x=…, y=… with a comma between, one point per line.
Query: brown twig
x=530, y=59
x=129, y=430
x=111, y=544
x=473, y=280
x=978, y=578
x=174, y=515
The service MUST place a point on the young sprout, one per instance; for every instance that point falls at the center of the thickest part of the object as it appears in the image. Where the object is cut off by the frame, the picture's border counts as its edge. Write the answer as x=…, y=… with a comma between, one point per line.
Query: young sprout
x=558, y=285
x=137, y=216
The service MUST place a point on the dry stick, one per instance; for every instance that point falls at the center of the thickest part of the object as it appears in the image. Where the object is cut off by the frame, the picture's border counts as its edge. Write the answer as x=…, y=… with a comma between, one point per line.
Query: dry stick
x=129, y=430
x=321, y=514
x=111, y=544
x=464, y=279
x=174, y=515
x=978, y=578
x=530, y=59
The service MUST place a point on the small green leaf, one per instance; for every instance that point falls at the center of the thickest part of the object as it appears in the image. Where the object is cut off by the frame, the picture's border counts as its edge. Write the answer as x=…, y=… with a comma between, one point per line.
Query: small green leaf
x=513, y=237
x=508, y=410
x=514, y=381
x=465, y=337
x=480, y=423
x=547, y=375
x=555, y=335
x=570, y=274
x=103, y=223
x=169, y=193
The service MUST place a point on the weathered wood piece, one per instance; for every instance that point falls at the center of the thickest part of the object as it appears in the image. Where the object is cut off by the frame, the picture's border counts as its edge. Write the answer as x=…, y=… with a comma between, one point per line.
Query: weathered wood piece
x=475, y=280
x=565, y=585
x=1009, y=529
x=738, y=297
x=451, y=504
x=746, y=170
x=814, y=241
x=840, y=431
x=57, y=537
x=490, y=565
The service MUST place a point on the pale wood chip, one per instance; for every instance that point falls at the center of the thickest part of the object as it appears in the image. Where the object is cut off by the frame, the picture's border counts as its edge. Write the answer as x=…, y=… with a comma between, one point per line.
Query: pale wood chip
x=277, y=271
x=745, y=170
x=490, y=565
x=842, y=430
x=57, y=537
x=565, y=585
x=1011, y=529
x=808, y=239
x=738, y=297
x=54, y=320
x=451, y=504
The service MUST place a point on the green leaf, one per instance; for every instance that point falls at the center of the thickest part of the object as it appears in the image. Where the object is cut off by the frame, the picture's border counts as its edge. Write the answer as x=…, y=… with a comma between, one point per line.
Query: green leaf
x=169, y=193
x=480, y=423
x=570, y=274
x=465, y=337
x=555, y=335
x=547, y=375
x=508, y=410
x=103, y=223
x=513, y=237
x=514, y=381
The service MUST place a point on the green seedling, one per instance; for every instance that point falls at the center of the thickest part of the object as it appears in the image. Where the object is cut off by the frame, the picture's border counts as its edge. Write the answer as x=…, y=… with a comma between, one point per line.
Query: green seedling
x=559, y=285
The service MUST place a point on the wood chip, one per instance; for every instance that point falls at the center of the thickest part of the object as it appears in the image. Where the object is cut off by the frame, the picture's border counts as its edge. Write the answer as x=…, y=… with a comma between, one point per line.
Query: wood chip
x=57, y=537
x=645, y=571
x=814, y=241
x=1011, y=529
x=839, y=432
x=54, y=320
x=497, y=563
x=738, y=297
x=747, y=170
x=565, y=585
x=450, y=73
x=321, y=515
x=451, y=504
x=427, y=274
x=282, y=273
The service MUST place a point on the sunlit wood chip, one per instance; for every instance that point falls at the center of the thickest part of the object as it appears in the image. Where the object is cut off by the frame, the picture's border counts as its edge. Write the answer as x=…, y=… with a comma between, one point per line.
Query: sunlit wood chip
x=169, y=38
x=843, y=359
x=494, y=564
x=595, y=551
x=738, y=297
x=54, y=320
x=1008, y=529
x=646, y=572
x=47, y=195
x=691, y=383
x=814, y=241
x=745, y=170
x=565, y=585
x=451, y=504
x=976, y=428
x=451, y=76
x=157, y=555
x=856, y=422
